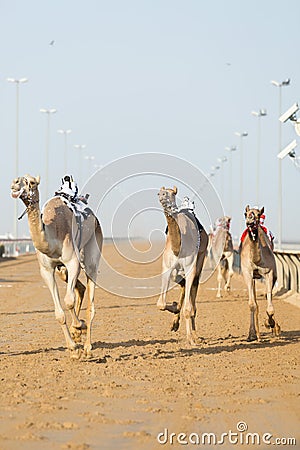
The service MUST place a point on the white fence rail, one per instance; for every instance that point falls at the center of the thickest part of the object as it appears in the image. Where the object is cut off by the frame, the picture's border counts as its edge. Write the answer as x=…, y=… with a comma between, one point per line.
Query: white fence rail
x=15, y=247
x=288, y=269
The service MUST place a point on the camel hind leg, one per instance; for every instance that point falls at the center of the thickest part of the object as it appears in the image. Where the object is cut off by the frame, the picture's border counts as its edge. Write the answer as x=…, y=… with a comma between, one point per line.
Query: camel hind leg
x=270, y=322
x=176, y=321
x=189, y=310
x=79, y=291
x=91, y=259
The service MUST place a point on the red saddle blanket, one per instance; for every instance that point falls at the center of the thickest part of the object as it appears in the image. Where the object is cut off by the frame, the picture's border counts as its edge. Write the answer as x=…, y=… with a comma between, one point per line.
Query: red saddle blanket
x=246, y=231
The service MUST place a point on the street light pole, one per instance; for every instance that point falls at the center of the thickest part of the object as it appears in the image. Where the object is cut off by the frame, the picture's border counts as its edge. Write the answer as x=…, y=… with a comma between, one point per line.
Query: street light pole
x=279, y=85
x=230, y=149
x=80, y=147
x=17, y=83
x=90, y=159
x=258, y=114
x=65, y=133
x=48, y=112
x=221, y=160
x=241, y=136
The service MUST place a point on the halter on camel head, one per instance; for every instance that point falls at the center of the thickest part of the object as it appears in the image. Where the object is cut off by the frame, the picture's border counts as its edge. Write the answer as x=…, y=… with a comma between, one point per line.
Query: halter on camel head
x=252, y=216
x=25, y=188
x=168, y=201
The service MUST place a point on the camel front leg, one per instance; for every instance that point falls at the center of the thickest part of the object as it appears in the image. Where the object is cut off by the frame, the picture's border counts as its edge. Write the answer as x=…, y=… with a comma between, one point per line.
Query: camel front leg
x=79, y=291
x=254, y=327
x=229, y=272
x=162, y=301
x=219, y=279
x=48, y=275
x=90, y=316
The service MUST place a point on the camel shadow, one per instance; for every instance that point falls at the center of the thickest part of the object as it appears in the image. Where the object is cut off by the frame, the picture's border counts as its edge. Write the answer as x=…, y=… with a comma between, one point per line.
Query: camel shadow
x=132, y=343
x=235, y=343
x=45, y=311
x=34, y=352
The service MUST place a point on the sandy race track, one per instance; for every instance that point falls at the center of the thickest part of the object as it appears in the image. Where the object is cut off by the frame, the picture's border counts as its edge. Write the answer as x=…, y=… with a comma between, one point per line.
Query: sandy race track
x=144, y=382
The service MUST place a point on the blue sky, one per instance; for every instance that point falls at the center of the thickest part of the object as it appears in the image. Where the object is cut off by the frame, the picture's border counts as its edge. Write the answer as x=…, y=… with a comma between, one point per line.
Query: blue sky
x=136, y=76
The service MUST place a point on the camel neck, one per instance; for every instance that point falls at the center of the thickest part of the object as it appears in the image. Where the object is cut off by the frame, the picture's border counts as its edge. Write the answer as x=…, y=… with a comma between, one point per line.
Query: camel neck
x=36, y=228
x=255, y=249
x=174, y=234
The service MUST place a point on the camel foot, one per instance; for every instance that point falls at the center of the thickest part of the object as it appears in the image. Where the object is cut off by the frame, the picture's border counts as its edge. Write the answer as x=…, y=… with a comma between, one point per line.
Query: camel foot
x=173, y=308
x=76, y=334
x=175, y=326
x=271, y=321
x=193, y=340
x=252, y=337
x=161, y=306
x=75, y=353
x=219, y=295
x=87, y=351
x=276, y=330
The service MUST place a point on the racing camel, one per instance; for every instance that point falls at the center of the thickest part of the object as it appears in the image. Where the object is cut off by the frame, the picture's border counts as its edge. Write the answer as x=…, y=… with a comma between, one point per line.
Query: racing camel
x=257, y=261
x=182, y=260
x=64, y=244
x=221, y=244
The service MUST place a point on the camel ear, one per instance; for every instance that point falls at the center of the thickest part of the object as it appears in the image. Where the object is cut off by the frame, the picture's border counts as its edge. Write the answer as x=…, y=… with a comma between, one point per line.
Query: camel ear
x=38, y=179
x=262, y=210
x=162, y=188
x=175, y=189
x=247, y=208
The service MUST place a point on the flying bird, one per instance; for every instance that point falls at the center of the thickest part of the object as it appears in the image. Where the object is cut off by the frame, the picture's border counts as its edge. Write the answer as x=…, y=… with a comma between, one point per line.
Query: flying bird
x=51, y=43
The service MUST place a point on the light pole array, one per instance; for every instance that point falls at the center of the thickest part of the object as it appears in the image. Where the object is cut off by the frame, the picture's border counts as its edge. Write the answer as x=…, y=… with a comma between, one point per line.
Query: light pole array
x=48, y=112
x=17, y=83
x=258, y=114
x=280, y=84
x=241, y=135
x=65, y=133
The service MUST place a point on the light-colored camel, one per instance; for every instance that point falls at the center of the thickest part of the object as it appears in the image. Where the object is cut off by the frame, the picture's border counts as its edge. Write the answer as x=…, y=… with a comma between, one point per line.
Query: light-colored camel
x=221, y=244
x=182, y=260
x=257, y=261
x=63, y=246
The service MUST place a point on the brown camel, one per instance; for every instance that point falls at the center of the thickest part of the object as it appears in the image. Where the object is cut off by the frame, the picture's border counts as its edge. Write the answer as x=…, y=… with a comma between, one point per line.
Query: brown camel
x=63, y=246
x=221, y=244
x=183, y=260
x=257, y=261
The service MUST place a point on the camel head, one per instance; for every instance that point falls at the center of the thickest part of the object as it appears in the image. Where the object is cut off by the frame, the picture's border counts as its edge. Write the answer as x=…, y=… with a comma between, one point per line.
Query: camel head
x=26, y=188
x=252, y=216
x=167, y=198
x=225, y=222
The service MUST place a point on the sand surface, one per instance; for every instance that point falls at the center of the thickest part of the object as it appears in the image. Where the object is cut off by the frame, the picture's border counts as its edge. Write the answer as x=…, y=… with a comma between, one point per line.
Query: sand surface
x=144, y=379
